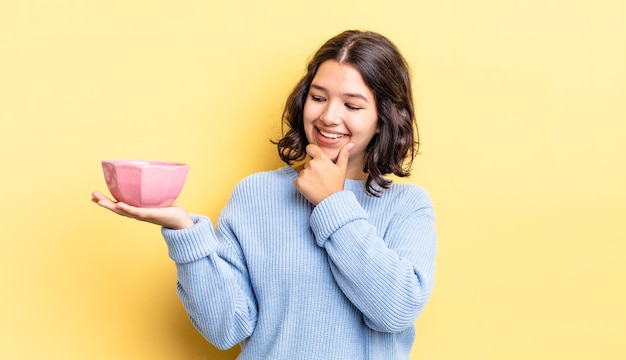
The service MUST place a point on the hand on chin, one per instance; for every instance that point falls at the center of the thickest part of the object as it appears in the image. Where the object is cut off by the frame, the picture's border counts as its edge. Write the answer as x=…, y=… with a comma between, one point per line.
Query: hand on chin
x=331, y=153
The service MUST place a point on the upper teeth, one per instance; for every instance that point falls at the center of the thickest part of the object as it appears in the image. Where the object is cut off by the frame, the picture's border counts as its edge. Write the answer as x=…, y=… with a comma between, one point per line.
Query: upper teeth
x=330, y=135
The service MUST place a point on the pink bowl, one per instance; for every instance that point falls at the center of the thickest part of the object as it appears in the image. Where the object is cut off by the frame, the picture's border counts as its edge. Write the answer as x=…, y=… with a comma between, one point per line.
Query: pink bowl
x=145, y=183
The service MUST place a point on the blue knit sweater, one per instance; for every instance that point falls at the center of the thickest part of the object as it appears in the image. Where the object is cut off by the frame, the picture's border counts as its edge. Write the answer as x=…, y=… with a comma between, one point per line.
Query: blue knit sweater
x=345, y=279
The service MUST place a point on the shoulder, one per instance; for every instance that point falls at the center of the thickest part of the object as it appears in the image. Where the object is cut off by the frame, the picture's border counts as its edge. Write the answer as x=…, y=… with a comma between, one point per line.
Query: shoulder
x=265, y=183
x=410, y=196
x=413, y=191
x=281, y=175
x=399, y=198
x=259, y=192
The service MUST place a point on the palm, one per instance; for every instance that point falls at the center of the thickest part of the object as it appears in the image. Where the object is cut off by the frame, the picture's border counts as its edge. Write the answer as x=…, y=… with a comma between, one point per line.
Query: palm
x=173, y=217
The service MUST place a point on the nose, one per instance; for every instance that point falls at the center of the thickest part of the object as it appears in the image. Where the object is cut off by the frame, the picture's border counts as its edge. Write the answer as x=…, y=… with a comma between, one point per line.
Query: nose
x=331, y=114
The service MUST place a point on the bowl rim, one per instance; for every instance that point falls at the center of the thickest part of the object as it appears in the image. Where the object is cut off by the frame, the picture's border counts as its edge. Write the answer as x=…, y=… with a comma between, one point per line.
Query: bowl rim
x=143, y=163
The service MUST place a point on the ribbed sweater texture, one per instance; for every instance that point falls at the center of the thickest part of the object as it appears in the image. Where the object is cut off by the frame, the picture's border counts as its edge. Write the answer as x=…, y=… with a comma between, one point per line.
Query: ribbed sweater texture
x=284, y=279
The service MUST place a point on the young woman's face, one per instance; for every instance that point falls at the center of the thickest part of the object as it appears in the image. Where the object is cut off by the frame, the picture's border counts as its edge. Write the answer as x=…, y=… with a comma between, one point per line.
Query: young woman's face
x=340, y=108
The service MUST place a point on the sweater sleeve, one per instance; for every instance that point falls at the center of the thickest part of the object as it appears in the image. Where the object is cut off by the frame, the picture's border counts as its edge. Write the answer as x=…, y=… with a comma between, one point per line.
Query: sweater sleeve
x=388, y=279
x=212, y=282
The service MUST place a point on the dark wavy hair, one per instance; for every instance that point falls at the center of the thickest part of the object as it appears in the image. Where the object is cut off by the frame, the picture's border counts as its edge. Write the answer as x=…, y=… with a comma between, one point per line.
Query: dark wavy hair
x=385, y=71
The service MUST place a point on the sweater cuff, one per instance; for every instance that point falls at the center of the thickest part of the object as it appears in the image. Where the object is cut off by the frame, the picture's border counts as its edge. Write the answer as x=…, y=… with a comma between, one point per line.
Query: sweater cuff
x=334, y=212
x=193, y=243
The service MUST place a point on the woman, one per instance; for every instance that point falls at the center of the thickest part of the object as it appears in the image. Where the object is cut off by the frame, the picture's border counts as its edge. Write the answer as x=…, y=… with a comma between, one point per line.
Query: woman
x=325, y=258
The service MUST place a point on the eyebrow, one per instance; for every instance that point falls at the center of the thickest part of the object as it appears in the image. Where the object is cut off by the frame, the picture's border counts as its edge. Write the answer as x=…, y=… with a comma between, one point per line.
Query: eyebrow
x=353, y=95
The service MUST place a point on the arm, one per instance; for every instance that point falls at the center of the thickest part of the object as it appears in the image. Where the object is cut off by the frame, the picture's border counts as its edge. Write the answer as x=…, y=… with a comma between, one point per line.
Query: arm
x=212, y=277
x=389, y=280
x=213, y=284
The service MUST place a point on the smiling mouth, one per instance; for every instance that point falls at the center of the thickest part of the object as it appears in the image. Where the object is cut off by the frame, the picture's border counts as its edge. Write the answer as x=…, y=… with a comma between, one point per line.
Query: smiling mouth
x=331, y=135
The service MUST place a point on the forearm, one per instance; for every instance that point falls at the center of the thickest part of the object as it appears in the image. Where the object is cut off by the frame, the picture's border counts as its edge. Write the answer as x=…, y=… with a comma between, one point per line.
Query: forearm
x=218, y=307
x=390, y=290
x=211, y=283
x=389, y=280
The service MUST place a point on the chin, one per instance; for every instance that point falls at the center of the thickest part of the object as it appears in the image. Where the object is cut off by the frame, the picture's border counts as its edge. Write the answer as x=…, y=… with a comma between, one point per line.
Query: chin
x=333, y=156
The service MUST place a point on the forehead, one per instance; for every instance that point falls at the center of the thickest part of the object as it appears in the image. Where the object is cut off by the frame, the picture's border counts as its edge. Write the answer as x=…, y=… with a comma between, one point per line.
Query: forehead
x=341, y=78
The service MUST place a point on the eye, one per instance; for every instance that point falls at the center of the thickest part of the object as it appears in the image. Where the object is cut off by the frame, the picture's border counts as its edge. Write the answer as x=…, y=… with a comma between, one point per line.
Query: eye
x=352, y=107
x=317, y=98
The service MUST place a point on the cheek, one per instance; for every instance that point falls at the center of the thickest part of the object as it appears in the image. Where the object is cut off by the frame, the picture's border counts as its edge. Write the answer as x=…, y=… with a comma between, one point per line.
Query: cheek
x=308, y=116
x=308, y=113
x=365, y=128
x=307, y=123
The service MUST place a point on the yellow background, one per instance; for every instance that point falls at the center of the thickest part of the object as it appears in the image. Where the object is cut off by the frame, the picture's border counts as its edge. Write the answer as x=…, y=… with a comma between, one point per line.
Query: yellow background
x=522, y=108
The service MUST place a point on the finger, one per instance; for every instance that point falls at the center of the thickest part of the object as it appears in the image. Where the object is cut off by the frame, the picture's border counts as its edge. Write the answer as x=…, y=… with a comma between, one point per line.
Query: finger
x=130, y=210
x=97, y=196
x=112, y=206
x=105, y=202
x=313, y=151
x=344, y=156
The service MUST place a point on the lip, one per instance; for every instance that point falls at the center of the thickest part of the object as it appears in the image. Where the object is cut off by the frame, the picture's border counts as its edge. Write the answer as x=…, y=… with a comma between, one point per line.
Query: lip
x=321, y=139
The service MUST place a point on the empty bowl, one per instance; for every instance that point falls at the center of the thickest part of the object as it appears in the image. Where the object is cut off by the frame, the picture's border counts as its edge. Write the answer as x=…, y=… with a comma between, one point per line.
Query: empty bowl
x=145, y=183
